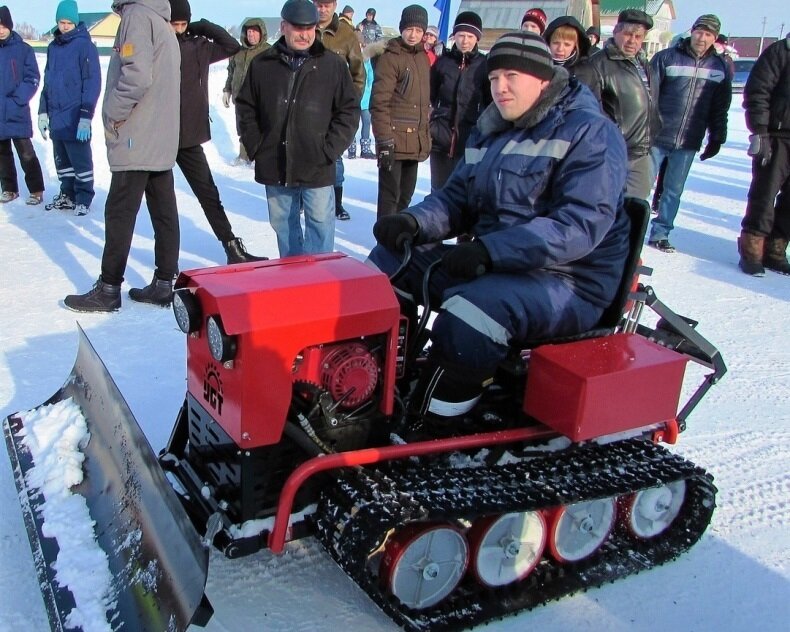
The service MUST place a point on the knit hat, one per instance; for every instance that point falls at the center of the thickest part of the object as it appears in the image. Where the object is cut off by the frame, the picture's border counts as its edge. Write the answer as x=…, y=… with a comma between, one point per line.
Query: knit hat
x=433, y=30
x=594, y=31
x=372, y=11
x=523, y=51
x=347, y=9
x=180, y=11
x=413, y=15
x=536, y=15
x=67, y=10
x=709, y=22
x=635, y=16
x=469, y=22
x=299, y=13
x=5, y=18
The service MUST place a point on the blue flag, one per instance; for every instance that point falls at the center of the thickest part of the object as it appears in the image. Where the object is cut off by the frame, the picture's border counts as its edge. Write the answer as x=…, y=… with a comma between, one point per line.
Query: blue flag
x=444, y=21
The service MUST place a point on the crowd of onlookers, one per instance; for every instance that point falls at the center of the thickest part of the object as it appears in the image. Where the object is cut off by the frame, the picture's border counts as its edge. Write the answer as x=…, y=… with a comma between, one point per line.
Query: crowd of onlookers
x=299, y=103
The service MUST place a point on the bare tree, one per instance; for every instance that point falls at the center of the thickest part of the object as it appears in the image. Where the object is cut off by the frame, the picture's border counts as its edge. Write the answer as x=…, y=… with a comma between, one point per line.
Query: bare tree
x=26, y=31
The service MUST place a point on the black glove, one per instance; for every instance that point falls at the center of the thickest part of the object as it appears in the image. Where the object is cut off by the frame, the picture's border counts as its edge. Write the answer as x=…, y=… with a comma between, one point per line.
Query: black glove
x=392, y=231
x=711, y=149
x=467, y=260
x=760, y=148
x=385, y=153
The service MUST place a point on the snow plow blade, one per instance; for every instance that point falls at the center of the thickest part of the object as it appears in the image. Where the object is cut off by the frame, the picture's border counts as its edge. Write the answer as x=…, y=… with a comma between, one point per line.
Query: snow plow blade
x=157, y=562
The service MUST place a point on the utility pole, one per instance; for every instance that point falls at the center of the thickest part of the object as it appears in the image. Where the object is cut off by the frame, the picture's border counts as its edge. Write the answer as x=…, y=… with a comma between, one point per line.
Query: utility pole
x=762, y=37
x=781, y=30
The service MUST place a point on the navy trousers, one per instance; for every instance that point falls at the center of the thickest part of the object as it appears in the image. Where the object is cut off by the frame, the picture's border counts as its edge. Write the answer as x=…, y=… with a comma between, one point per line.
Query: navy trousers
x=479, y=320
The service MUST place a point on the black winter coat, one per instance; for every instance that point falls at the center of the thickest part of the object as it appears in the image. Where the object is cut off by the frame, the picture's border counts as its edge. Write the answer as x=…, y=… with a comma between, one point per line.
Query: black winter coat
x=201, y=45
x=296, y=123
x=766, y=97
x=617, y=82
x=694, y=96
x=460, y=91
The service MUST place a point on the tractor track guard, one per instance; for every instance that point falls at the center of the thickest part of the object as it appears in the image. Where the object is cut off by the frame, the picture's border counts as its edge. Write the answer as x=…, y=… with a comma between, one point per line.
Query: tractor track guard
x=155, y=557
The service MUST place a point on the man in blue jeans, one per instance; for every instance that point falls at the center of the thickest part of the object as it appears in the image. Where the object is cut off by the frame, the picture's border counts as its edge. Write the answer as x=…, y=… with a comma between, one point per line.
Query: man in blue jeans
x=695, y=91
x=298, y=110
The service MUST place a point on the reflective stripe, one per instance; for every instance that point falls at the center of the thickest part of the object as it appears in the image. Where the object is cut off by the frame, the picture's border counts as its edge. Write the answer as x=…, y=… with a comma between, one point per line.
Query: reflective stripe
x=477, y=319
x=68, y=172
x=473, y=155
x=85, y=176
x=708, y=74
x=551, y=148
x=451, y=409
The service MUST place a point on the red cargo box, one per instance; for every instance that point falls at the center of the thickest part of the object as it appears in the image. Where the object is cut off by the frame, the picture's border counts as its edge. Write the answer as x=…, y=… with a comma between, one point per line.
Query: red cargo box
x=595, y=387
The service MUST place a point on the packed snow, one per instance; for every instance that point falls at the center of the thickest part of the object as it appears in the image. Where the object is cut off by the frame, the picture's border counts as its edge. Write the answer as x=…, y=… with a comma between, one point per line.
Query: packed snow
x=736, y=578
x=55, y=435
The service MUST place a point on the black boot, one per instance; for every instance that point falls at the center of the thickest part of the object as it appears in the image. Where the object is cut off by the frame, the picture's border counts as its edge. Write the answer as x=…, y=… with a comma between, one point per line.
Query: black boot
x=340, y=212
x=157, y=292
x=102, y=298
x=367, y=151
x=237, y=253
x=352, y=151
x=443, y=395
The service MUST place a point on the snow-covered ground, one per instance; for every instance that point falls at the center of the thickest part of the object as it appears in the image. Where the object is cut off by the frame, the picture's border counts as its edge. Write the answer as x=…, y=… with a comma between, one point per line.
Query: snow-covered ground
x=736, y=578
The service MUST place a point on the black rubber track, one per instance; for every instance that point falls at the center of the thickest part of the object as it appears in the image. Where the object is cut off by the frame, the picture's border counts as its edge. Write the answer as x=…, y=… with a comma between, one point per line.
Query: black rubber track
x=357, y=513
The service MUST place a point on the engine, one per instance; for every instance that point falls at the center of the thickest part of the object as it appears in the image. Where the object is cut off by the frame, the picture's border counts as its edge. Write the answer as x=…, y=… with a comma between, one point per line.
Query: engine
x=349, y=372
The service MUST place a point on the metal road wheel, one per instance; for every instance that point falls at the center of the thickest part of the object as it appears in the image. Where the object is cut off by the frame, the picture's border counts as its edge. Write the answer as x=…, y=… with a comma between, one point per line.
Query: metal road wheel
x=506, y=548
x=650, y=512
x=423, y=564
x=578, y=530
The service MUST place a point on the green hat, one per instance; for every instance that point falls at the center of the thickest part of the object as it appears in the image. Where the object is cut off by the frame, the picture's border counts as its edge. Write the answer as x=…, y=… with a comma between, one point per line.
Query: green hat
x=67, y=10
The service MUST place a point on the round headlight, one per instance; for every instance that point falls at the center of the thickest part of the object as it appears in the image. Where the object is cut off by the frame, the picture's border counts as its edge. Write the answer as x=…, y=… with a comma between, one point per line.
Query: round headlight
x=221, y=345
x=186, y=309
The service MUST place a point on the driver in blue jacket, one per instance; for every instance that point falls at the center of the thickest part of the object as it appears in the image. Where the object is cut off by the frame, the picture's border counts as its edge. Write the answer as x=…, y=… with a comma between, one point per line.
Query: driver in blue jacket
x=540, y=188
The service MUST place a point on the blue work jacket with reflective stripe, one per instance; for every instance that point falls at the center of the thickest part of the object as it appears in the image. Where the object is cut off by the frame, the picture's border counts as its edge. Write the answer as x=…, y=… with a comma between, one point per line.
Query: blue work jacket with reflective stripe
x=545, y=192
x=694, y=96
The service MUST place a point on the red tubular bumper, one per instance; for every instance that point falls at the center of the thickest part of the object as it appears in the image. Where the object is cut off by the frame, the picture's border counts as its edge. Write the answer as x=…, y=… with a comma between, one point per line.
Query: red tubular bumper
x=378, y=455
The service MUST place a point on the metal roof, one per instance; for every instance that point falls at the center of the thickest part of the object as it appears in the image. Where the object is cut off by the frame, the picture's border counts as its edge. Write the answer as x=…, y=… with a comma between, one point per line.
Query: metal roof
x=613, y=7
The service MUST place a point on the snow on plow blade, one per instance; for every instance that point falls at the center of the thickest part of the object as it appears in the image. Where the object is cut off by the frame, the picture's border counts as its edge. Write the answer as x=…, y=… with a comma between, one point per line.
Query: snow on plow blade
x=157, y=563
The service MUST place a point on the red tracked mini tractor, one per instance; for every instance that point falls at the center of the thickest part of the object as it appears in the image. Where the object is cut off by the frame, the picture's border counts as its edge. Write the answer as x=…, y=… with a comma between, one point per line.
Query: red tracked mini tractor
x=297, y=374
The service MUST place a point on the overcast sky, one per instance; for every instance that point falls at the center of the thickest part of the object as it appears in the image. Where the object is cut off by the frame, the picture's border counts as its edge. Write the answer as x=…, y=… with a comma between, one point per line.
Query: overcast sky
x=736, y=18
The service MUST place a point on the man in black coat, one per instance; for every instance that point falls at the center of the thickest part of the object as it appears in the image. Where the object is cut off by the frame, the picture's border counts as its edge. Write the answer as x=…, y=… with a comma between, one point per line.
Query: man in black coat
x=460, y=91
x=624, y=83
x=298, y=110
x=202, y=43
x=766, y=225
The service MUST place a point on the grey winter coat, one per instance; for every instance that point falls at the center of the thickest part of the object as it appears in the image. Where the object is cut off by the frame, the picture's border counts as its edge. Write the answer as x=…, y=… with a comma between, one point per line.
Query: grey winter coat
x=141, y=99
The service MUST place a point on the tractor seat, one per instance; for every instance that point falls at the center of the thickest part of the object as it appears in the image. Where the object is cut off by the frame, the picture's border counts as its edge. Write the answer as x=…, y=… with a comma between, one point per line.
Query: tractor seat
x=638, y=212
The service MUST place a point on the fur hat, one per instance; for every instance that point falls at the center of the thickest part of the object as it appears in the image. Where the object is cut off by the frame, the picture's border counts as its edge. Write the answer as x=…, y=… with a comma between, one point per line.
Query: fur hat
x=469, y=22
x=180, y=11
x=67, y=10
x=523, y=51
x=413, y=15
x=5, y=18
x=536, y=15
x=709, y=22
